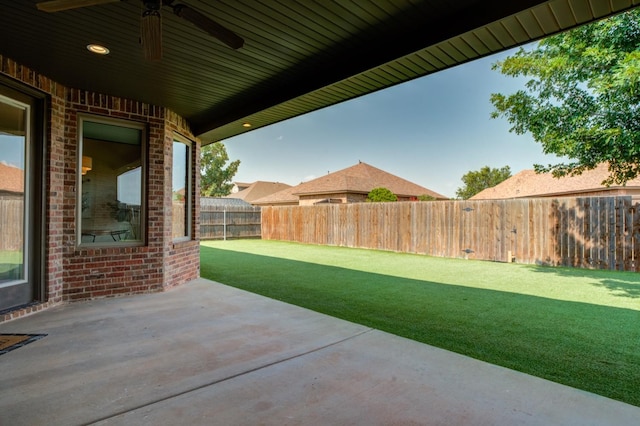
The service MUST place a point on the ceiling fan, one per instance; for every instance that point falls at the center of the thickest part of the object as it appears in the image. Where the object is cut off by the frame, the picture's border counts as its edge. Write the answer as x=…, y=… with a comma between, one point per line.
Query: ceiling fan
x=151, y=23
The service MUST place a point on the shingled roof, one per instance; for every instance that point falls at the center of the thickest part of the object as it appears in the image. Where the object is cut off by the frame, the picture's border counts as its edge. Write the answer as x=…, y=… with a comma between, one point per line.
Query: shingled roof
x=284, y=197
x=358, y=179
x=362, y=178
x=258, y=190
x=11, y=179
x=528, y=184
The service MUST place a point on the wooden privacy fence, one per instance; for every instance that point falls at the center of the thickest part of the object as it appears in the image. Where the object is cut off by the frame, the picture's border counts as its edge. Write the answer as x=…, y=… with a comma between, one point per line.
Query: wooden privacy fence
x=590, y=232
x=219, y=222
x=11, y=220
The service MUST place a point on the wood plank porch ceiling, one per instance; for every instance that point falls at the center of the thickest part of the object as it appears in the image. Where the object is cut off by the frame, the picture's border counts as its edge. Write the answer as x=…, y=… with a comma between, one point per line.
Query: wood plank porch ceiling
x=299, y=55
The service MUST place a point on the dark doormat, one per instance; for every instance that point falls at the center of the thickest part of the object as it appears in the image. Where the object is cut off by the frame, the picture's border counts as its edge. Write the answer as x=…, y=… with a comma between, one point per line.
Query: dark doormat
x=9, y=342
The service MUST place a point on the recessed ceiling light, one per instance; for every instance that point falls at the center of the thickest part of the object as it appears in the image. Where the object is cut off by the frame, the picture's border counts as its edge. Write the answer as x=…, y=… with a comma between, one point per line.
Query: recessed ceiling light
x=98, y=49
x=246, y=125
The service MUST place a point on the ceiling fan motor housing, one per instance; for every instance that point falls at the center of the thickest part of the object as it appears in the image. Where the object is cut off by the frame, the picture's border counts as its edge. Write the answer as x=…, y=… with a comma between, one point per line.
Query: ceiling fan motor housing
x=152, y=5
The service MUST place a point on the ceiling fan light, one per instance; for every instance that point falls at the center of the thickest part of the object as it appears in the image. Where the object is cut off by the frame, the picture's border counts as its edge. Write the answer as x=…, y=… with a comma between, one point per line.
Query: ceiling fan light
x=151, y=34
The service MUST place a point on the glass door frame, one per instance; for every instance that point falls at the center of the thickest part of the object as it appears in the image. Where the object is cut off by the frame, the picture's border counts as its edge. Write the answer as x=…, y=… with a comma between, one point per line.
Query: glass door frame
x=34, y=190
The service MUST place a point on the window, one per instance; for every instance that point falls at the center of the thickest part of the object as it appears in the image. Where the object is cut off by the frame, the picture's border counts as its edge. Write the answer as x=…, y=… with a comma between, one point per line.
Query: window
x=181, y=190
x=111, y=189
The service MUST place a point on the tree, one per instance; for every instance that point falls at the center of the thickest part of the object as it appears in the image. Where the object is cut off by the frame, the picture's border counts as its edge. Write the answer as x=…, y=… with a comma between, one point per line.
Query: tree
x=476, y=181
x=381, y=195
x=215, y=178
x=583, y=98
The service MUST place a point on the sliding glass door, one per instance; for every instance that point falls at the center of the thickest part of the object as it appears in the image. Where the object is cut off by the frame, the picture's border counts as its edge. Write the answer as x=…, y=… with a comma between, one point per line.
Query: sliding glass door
x=17, y=178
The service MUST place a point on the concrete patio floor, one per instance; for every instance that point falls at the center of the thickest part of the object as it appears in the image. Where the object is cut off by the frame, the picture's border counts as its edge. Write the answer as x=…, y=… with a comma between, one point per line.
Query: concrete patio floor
x=208, y=354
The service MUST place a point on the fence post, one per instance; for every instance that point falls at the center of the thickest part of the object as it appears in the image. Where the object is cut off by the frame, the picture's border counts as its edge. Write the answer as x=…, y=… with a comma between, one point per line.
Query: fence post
x=224, y=224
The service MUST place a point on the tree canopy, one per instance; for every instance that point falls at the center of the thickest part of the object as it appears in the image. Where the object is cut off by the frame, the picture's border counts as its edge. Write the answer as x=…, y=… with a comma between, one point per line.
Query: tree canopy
x=583, y=98
x=479, y=180
x=215, y=178
x=381, y=195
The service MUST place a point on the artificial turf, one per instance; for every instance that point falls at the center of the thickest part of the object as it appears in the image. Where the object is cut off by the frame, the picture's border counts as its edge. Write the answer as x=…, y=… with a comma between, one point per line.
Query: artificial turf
x=573, y=326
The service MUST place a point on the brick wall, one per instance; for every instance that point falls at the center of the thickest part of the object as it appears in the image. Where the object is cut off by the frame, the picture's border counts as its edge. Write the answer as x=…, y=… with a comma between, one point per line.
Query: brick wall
x=73, y=273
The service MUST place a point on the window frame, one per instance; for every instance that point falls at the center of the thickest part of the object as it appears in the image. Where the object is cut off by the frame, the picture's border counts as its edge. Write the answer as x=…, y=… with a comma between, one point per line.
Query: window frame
x=178, y=138
x=142, y=127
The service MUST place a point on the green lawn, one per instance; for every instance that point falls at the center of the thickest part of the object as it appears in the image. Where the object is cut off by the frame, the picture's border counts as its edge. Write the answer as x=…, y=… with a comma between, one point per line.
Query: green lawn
x=9, y=262
x=573, y=326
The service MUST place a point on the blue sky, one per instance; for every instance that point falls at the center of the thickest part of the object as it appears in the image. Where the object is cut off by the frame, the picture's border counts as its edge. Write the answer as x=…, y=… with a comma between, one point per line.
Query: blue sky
x=431, y=131
x=12, y=150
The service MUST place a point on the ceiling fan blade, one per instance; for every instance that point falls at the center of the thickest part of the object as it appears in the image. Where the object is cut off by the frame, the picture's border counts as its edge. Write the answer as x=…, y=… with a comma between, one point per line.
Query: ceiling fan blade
x=60, y=5
x=207, y=25
x=151, y=33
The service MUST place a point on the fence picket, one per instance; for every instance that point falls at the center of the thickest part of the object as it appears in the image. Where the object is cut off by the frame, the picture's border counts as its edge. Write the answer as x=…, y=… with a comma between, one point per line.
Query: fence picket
x=585, y=254
x=628, y=238
x=635, y=224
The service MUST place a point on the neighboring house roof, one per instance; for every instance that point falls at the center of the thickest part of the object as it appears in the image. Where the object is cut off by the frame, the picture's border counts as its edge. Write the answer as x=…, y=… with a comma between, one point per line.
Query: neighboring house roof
x=297, y=57
x=358, y=179
x=361, y=179
x=528, y=183
x=221, y=202
x=281, y=197
x=11, y=179
x=258, y=190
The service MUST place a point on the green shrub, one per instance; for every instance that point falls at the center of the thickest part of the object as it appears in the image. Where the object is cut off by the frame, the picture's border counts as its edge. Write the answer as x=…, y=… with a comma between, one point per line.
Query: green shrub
x=381, y=195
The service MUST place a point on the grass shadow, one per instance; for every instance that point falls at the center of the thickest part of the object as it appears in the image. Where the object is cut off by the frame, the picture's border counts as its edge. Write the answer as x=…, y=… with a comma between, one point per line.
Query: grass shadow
x=587, y=346
x=623, y=284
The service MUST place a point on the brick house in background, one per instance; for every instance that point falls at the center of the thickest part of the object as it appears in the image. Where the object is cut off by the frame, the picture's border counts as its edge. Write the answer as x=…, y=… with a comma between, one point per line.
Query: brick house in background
x=11, y=212
x=529, y=184
x=350, y=185
x=11, y=180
